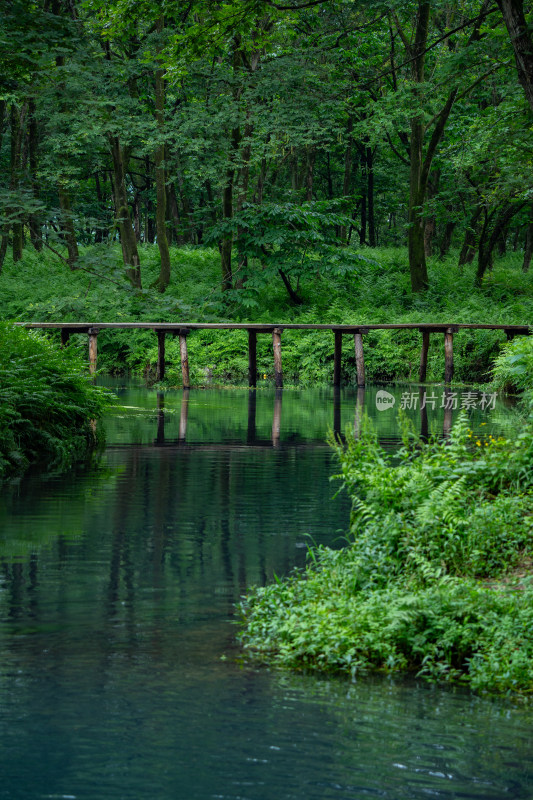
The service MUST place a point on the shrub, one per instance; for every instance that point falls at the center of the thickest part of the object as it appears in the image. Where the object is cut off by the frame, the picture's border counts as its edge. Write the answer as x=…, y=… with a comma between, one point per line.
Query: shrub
x=47, y=402
x=434, y=578
x=513, y=368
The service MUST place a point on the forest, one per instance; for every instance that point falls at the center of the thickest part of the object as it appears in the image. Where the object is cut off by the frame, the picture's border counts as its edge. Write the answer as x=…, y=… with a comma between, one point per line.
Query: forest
x=326, y=161
x=287, y=135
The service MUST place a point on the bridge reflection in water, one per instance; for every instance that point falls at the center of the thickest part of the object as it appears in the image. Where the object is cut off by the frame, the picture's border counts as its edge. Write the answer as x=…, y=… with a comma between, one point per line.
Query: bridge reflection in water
x=363, y=401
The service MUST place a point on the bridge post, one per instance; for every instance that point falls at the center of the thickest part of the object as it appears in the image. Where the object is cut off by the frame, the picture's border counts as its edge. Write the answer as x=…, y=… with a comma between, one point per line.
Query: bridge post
x=93, y=349
x=424, y=356
x=278, y=372
x=337, y=358
x=359, y=358
x=65, y=336
x=252, y=358
x=448, y=355
x=184, y=358
x=160, y=369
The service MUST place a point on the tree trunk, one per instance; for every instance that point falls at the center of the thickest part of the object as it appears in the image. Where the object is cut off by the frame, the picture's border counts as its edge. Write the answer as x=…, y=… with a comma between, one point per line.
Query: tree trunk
x=68, y=226
x=99, y=233
x=161, y=192
x=528, y=247
x=417, y=185
x=430, y=223
x=487, y=242
x=295, y=297
x=417, y=190
x=347, y=180
x=149, y=227
x=329, y=176
x=16, y=120
x=294, y=172
x=128, y=242
x=36, y=234
x=372, y=234
x=67, y=222
x=515, y=21
x=137, y=217
x=446, y=241
x=172, y=201
x=309, y=169
x=5, y=231
x=258, y=194
x=468, y=250
x=420, y=164
x=362, y=230
x=429, y=233
x=186, y=204
x=3, y=106
x=226, y=242
x=3, y=249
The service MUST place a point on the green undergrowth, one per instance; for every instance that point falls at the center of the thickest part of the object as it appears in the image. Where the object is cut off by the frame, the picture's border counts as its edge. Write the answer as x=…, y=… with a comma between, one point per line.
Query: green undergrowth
x=513, y=369
x=48, y=405
x=437, y=575
x=375, y=289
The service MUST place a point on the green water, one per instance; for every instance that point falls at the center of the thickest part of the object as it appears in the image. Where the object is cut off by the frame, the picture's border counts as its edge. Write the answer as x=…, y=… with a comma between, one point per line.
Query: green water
x=119, y=673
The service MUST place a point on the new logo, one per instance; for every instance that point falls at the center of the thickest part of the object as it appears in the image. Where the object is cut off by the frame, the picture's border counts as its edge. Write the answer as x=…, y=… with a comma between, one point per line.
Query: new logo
x=384, y=400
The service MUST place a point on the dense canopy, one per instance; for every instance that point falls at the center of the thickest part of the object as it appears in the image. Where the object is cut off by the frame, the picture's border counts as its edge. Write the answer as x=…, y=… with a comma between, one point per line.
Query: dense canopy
x=281, y=131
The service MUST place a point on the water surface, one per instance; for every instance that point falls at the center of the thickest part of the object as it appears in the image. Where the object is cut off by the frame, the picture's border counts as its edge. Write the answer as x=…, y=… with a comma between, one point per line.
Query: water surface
x=119, y=673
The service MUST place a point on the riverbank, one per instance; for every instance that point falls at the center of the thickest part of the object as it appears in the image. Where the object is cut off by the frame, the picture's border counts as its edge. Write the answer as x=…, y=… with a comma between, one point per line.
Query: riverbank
x=48, y=405
x=375, y=290
x=436, y=578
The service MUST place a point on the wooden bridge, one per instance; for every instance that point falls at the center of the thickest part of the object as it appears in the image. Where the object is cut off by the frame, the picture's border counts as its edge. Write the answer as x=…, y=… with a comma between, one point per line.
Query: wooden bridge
x=161, y=329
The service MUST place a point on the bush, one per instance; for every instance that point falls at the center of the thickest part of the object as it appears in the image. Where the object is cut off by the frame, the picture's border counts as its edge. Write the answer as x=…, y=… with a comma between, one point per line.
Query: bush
x=513, y=368
x=435, y=577
x=47, y=402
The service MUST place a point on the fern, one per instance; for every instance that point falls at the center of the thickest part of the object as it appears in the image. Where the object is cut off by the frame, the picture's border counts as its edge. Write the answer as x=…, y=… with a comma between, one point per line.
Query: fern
x=444, y=505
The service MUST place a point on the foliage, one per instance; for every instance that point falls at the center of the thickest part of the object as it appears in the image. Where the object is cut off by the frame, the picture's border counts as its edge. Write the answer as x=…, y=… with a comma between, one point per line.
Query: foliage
x=434, y=577
x=513, y=368
x=265, y=113
x=375, y=289
x=287, y=239
x=48, y=406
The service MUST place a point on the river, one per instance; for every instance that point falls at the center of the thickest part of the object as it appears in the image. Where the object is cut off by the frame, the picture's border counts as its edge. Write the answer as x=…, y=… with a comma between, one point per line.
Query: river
x=120, y=676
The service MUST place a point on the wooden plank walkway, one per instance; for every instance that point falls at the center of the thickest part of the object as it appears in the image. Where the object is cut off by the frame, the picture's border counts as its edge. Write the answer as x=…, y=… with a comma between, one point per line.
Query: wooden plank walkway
x=182, y=329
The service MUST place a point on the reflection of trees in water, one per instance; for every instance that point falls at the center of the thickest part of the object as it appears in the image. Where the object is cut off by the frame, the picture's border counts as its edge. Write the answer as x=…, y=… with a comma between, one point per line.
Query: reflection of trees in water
x=166, y=546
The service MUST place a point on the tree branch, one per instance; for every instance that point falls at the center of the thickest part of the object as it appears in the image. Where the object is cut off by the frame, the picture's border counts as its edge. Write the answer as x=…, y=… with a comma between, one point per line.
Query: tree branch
x=395, y=151
x=436, y=135
x=477, y=20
